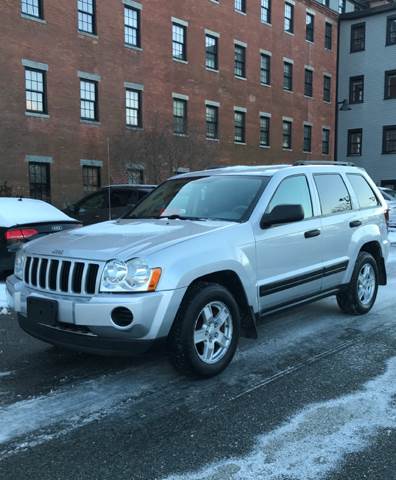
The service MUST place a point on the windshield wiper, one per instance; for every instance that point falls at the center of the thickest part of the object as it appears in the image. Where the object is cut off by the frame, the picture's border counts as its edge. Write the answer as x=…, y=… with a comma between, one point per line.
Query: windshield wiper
x=181, y=217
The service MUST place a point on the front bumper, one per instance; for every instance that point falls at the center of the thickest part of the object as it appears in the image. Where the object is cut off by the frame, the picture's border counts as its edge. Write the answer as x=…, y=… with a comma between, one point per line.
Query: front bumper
x=85, y=322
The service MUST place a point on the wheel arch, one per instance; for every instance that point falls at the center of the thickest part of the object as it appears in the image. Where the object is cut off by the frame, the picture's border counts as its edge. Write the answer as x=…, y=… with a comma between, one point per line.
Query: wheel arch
x=231, y=280
x=374, y=249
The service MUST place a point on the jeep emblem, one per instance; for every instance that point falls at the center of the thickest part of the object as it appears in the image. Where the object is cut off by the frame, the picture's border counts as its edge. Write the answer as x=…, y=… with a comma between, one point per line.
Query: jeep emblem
x=57, y=252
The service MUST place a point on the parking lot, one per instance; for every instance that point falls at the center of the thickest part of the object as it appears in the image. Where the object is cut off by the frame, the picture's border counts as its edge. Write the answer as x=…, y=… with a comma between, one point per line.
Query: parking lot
x=313, y=398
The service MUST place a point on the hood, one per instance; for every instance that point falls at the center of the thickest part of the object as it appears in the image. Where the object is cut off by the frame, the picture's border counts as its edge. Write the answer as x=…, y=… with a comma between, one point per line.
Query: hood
x=123, y=239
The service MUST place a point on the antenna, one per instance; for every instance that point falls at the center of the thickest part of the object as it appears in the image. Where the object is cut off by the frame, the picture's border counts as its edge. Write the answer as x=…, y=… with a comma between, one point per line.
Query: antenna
x=109, y=175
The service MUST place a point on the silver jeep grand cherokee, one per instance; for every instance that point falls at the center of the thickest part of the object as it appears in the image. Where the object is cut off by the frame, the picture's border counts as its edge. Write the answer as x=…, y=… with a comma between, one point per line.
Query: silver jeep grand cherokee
x=204, y=256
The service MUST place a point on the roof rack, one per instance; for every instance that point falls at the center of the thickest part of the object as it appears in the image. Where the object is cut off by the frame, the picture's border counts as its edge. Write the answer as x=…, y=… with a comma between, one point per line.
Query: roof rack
x=323, y=162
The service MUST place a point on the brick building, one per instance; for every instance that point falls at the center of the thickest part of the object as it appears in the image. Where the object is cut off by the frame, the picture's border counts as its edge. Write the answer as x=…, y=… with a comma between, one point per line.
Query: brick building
x=150, y=87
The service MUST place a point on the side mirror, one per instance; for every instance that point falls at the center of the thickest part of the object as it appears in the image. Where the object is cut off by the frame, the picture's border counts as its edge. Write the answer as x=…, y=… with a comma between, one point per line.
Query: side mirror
x=282, y=214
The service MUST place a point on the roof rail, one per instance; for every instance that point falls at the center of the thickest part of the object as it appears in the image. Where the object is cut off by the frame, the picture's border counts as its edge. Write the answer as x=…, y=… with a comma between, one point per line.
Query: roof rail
x=323, y=162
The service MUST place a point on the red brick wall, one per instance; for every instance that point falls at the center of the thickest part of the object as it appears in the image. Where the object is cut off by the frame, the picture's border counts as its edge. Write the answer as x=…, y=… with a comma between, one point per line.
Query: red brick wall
x=58, y=44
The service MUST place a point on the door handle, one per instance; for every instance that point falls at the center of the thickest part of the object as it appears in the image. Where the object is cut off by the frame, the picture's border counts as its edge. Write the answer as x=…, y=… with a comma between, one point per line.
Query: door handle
x=312, y=234
x=355, y=224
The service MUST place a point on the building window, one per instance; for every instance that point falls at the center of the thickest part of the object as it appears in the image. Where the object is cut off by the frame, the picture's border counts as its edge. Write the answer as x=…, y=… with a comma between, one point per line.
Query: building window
x=40, y=181
x=265, y=69
x=91, y=178
x=326, y=88
x=240, y=5
x=35, y=90
x=307, y=138
x=356, y=89
x=390, y=84
x=33, y=8
x=179, y=47
x=389, y=139
x=355, y=138
x=287, y=134
x=240, y=61
x=89, y=100
x=287, y=76
x=265, y=125
x=239, y=126
x=341, y=6
x=358, y=37
x=179, y=116
x=211, y=52
x=325, y=141
x=310, y=27
x=132, y=26
x=86, y=16
x=391, y=31
x=136, y=176
x=289, y=18
x=308, y=83
x=266, y=11
x=133, y=103
x=328, y=36
x=212, y=122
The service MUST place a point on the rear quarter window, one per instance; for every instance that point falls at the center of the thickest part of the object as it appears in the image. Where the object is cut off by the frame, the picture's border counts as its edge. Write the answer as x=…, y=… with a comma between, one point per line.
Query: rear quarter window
x=363, y=191
x=333, y=194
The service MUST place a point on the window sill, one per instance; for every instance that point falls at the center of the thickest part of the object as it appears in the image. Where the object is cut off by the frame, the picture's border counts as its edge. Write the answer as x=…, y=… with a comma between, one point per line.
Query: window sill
x=389, y=98
x=268, y=85
x=289, y=33
x=240, y=78
x=213, y=70
x=216, y=140
x=308, y=97
x=239, y=143
x=240, y=13
x=37, y=115
x=177, y=60
x=311, y=42
x=132, y=47
x=134, y=129
x=266, y=23
x=288, y=91
x=94, y=123
x=88, y=35
x=265, y=147
x=34, y=19
x=287, y=149
x=180, y=134
x=327, y=102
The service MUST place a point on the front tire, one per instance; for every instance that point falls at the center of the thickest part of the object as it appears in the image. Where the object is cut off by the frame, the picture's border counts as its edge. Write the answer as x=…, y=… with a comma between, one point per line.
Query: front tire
x=205, y=334
x=359, y=296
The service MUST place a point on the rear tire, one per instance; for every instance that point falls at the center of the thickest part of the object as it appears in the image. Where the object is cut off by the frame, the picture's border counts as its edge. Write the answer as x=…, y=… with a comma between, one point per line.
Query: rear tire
x=205, y=334
x=359, y=296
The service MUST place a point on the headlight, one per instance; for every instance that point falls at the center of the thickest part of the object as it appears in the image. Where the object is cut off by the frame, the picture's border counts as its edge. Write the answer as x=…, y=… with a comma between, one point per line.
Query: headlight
x=19, y=265
x=132, y=276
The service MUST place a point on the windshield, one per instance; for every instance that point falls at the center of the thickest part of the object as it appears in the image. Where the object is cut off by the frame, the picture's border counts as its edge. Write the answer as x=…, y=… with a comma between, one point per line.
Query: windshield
x=229, y=198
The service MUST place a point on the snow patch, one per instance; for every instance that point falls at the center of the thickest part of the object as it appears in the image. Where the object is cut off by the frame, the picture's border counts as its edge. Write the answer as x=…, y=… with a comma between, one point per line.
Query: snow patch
x=316, y=440
x=31, y=422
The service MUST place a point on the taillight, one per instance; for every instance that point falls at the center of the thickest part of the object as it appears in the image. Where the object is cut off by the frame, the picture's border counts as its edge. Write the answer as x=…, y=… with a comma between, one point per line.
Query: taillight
x=386, y=212
x=20, y=234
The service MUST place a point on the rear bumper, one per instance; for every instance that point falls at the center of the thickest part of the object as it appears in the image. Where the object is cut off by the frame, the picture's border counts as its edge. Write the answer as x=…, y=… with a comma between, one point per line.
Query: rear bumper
x=84, y=340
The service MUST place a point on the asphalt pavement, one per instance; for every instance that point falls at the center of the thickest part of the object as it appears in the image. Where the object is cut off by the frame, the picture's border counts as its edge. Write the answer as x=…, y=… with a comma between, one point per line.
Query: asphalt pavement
x=313, y=398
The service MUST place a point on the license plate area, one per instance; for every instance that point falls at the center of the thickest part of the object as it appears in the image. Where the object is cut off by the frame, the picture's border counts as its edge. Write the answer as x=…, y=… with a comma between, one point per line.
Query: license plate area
x=43, y=311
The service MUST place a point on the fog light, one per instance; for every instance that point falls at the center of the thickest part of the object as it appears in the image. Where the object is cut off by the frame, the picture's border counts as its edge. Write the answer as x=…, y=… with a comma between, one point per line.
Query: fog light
x=122, y=317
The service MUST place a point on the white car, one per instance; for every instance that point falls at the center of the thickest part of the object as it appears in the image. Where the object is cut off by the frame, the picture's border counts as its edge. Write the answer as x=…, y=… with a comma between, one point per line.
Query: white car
x=24, y=219
x=390, y=197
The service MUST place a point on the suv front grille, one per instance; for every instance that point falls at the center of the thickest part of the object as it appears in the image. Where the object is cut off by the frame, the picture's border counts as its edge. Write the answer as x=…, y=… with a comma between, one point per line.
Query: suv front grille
x=73, y=277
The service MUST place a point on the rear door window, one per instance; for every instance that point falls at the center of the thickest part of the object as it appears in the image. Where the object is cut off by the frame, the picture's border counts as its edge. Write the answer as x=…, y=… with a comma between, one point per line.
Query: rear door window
x=333, y=194
x=364, y=193
x=293, y=191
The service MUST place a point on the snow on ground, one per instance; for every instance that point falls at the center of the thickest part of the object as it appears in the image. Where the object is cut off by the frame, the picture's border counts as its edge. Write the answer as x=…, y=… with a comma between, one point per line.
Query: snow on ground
x=322, y=434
